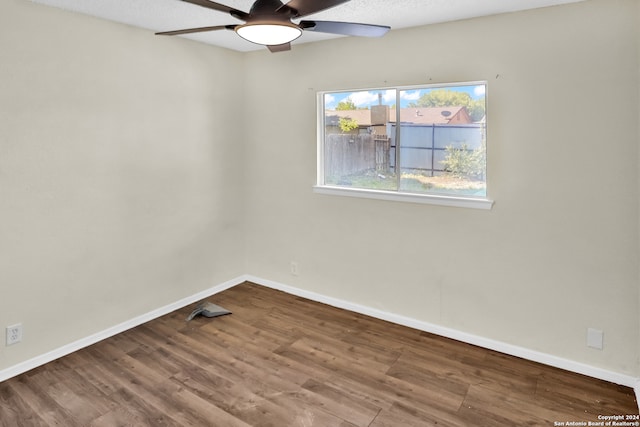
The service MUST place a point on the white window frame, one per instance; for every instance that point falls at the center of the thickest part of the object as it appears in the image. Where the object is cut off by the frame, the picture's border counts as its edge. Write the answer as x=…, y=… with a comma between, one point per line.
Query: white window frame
x=399, y=195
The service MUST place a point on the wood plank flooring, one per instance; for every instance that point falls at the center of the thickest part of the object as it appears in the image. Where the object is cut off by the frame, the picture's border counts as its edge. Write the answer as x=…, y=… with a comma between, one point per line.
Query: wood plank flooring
x=280, y=360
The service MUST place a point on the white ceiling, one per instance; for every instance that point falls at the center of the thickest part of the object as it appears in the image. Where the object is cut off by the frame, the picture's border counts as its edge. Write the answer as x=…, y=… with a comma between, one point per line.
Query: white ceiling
x=164, y=15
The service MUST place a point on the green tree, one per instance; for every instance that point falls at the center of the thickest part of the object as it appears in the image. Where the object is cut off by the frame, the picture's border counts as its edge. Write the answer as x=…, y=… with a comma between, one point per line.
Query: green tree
x=346, y=104
x=451, y=98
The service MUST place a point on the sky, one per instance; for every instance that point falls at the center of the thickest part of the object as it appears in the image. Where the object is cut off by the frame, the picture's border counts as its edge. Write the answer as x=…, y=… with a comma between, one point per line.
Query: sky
x=368, y=98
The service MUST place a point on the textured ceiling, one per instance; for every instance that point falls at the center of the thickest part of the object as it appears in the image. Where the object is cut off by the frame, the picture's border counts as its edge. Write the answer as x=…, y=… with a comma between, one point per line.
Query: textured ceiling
x=164, y=15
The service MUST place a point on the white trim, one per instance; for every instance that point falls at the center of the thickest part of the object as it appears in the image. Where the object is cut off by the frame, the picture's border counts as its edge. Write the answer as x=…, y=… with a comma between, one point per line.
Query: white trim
x=320, y=137
x=42, y=359
x=398, y=196
x=502, y=347
x=430, y=199
x=513, y=350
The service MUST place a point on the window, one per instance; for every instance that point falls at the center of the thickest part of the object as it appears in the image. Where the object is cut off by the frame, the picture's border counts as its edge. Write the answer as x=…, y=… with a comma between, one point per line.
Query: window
x=422, y=143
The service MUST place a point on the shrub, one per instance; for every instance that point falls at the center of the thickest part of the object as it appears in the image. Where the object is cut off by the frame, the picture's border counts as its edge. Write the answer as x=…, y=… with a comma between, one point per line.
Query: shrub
x=347, y=124
x=466, y=163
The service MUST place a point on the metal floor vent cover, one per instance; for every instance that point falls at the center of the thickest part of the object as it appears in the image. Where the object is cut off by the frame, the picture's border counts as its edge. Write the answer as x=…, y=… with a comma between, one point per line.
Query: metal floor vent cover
x=208, y=309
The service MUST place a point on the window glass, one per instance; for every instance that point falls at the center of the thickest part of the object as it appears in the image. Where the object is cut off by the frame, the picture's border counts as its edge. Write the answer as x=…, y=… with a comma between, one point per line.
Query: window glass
x=424, y=139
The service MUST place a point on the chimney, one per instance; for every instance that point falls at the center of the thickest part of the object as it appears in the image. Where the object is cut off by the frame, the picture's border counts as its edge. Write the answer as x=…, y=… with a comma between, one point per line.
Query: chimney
x=379, y=115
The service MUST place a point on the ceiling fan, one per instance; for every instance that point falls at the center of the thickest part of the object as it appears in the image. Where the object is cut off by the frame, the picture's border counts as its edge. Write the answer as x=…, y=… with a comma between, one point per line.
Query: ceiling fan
x=269, y=22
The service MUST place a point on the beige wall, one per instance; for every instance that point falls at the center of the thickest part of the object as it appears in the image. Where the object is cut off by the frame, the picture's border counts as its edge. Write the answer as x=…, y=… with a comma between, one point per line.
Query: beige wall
x=118, y=173
x=126, y=182
x=559, y=251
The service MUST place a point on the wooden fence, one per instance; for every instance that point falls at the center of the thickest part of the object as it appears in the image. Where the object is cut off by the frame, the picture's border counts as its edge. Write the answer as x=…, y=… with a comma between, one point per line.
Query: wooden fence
x=353, y=154
x=423, y=147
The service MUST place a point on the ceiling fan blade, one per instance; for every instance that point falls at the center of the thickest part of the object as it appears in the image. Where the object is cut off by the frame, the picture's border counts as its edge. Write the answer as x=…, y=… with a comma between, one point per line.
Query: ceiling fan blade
x=345, y=28
x=220, y=7
x=307, y=7
x=196, y=30
x=279, y=47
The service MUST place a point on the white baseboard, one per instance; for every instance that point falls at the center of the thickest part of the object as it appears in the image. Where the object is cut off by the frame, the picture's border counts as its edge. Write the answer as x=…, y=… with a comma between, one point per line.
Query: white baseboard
x=42, y=359
x=499, y=346
x=524, y=353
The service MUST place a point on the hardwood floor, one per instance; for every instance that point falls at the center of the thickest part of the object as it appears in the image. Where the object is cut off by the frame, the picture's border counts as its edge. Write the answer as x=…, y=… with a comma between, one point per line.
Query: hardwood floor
x=280, y=360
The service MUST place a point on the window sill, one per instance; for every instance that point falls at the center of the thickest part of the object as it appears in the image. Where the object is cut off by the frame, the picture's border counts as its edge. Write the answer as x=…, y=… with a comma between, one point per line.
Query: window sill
x=429, y=199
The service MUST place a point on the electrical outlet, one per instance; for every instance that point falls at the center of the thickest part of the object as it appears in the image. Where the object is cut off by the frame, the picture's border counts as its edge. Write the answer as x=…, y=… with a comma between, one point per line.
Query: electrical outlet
x=295, y=269
x=14, y=334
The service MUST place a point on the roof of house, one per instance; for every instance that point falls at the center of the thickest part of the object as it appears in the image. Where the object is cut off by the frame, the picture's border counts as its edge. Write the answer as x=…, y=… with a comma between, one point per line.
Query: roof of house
x=363, y=117
x=425, y=115
x=417, y=115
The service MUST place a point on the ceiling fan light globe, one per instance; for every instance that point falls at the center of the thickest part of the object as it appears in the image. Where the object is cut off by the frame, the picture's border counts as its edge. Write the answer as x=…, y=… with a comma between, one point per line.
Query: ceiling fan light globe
x=269, y=34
